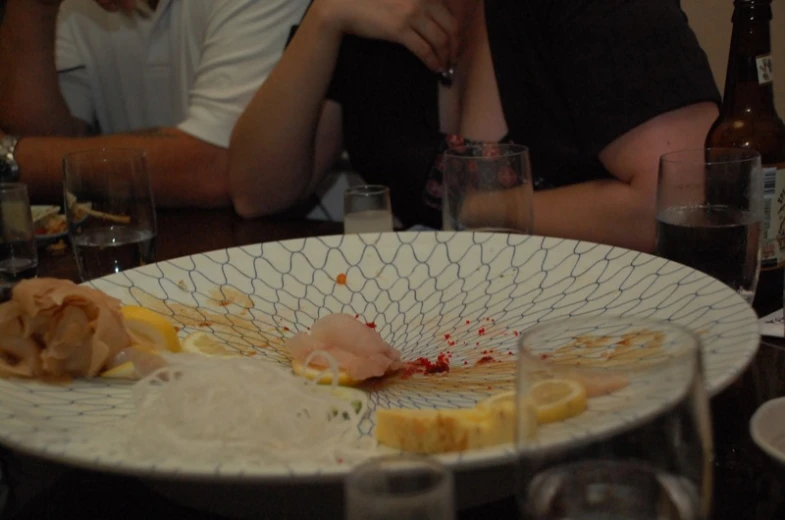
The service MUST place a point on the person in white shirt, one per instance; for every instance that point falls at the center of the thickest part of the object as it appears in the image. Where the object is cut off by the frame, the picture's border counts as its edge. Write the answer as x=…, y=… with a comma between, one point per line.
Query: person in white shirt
x=167, y=76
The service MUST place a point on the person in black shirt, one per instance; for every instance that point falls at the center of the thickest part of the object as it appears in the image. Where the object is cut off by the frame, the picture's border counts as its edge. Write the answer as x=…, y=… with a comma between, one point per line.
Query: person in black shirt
x=597, y=89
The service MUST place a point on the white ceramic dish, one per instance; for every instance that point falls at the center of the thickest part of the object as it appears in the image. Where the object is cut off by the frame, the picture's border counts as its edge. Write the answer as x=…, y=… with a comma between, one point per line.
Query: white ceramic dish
x=767, y=428
x=417, y=288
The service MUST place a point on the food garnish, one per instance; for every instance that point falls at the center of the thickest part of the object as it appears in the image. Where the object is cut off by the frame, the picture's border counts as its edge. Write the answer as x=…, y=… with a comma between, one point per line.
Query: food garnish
x=357, y=348
x=148, y=327
x=55, y=328
x=239, y=409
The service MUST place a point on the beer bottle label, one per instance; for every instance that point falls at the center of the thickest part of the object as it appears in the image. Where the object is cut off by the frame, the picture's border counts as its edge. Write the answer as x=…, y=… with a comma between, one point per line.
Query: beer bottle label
x=773, y=247
x=765, y=69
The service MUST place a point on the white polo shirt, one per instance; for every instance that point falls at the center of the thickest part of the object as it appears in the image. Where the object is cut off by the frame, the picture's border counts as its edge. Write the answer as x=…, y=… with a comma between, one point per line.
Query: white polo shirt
x=191, y=64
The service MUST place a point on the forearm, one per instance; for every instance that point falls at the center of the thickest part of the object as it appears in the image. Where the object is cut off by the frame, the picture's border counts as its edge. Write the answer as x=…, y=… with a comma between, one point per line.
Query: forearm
x=30, y=98
x=621, y=211
x=606, y=211
x=184, y=171
x=273, y=153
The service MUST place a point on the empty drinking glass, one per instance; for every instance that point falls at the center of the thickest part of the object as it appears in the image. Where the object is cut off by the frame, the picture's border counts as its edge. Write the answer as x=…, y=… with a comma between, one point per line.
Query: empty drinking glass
x=18, y=252
x=367, y=209
x=710, y=212
x=488, y=187
x=400, y=487
x=110, y=211
x=613, y=421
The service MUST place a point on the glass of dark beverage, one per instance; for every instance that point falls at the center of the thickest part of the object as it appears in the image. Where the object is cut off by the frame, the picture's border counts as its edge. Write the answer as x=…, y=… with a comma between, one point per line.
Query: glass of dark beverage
x=710, y=209
x=18, y=252
x=110, y=210
x=613, y=421
x=400, y=487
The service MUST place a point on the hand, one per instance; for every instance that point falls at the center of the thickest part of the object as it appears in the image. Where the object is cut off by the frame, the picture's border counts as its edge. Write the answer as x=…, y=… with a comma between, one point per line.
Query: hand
x=426, y=27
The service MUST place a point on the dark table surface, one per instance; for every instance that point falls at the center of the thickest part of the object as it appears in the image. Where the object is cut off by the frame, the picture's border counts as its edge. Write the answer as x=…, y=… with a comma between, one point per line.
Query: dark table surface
x=748, y=484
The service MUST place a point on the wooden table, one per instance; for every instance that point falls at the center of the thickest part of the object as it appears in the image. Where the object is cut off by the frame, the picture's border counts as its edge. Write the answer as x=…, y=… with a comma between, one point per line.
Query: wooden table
x=748, y=484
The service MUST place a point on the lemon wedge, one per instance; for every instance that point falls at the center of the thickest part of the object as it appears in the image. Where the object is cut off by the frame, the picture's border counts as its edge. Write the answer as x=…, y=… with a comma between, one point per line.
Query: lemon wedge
x=207, y=345
x=553, y=400
x=148, y=327
x=557, y=399
x=326, y=377
x=122, y=371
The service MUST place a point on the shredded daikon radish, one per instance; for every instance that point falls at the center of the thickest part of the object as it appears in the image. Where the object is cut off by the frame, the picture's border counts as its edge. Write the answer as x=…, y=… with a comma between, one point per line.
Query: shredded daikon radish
x=333, y=369
x=240, y=409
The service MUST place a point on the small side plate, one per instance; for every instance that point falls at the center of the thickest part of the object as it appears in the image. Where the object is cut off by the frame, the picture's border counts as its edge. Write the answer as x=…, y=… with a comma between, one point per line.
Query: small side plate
x=767, y=428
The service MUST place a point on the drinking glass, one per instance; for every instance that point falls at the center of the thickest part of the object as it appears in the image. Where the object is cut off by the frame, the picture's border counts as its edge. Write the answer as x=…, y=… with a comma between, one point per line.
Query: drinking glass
x=367, y=209
x=488, y=187
x=400, y=487
x=710, y=211
x=110, y=210
x=613, y=421
x=18, y=252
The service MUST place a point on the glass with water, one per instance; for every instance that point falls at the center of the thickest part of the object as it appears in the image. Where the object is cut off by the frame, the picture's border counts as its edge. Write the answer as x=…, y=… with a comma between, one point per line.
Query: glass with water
x=487, y=187
x=18, y=251
x=633, y=441
x=110, y=210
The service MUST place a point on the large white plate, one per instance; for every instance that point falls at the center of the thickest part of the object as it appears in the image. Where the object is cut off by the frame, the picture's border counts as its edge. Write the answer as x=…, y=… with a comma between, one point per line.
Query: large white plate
x=426, y=293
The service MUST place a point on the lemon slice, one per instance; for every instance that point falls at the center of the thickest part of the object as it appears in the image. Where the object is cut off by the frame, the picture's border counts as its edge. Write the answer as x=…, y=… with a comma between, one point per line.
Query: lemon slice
x=557, y=399
x=553, y=400
x=148, y=327
x=207, y=345
x=122, y=371
x=326, y=378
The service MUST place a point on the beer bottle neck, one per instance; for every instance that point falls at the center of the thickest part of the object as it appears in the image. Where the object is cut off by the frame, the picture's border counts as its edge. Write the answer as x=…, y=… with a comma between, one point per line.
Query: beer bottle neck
x=748, y=85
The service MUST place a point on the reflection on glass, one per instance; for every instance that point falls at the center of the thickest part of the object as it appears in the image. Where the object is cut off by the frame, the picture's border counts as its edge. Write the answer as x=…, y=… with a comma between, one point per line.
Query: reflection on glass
x=400, y=487
x=613, y=421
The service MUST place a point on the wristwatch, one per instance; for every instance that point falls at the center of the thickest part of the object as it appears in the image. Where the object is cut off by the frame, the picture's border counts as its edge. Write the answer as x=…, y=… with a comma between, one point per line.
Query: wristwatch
x=9, y=169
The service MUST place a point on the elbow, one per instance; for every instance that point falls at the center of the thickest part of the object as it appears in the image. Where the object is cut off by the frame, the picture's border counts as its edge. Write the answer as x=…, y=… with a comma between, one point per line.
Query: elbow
x=245, y=206
x=253, y=197
x=256, y=194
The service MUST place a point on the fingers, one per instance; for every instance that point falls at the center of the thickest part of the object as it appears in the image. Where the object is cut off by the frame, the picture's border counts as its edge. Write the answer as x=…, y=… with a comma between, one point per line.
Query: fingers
x=434, y=27
x=435, y=37
x=447, y=22
x=423, y=50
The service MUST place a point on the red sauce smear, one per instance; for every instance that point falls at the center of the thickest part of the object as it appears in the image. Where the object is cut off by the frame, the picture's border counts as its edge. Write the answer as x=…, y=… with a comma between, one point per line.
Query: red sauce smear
x=371, y=325
x=485, y=359
x=423, y=365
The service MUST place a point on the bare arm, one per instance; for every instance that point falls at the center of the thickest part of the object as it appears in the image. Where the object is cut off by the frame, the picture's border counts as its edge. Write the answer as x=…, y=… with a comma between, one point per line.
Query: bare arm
x=183, y=169
x=289, y=135
x=30, y=98
x=621, y=211
x=273, y=148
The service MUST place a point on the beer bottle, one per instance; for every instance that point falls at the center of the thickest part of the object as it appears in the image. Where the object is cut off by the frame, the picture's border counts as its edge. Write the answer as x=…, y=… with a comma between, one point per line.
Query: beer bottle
x=748, y=118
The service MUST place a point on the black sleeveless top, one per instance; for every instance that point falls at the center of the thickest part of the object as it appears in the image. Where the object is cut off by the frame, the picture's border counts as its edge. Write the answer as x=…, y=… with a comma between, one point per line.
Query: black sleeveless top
x=573, y=75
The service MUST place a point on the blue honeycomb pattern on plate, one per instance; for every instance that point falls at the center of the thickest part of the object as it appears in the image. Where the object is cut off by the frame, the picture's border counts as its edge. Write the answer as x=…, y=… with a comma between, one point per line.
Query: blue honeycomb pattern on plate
x=463, y=295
